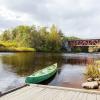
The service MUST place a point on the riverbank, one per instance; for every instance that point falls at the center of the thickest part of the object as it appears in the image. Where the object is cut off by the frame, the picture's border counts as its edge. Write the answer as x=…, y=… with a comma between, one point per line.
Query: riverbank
x=6, y=46
x=16, y=49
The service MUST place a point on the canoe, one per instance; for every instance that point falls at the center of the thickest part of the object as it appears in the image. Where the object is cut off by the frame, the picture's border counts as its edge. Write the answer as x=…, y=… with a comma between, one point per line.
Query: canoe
x=41, y=75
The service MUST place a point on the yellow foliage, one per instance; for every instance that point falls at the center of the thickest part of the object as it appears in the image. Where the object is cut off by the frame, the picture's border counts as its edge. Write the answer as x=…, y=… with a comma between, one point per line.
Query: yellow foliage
x=13, y=46
x=8, y=43
x=92, y=71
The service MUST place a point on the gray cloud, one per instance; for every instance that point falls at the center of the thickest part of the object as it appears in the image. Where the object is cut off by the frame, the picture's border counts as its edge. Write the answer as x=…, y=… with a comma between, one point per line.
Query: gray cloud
x=75, y=17
x=6, y=23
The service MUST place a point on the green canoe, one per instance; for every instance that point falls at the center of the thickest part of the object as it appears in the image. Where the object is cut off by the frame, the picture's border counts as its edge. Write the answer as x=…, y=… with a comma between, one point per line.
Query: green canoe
x=42, y=75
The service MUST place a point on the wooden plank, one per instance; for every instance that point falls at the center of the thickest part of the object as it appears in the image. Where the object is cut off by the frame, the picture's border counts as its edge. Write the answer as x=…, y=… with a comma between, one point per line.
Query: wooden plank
x=91, y=97
x=30, y=95
x=12, y=90
x=51, y=95
x=22, y=94
x=65, y=95
x=80, y=96
x=75, y=95
x=47, y=94
x=60, y=95
x=70, y=89
x=85, y=96
x=69, y=95
x=98, y=97
x=17, y=92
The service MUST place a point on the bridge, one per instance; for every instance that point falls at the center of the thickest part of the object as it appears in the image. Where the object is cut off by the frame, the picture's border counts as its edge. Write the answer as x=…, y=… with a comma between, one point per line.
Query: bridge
x=91, y=44
x=88, y=42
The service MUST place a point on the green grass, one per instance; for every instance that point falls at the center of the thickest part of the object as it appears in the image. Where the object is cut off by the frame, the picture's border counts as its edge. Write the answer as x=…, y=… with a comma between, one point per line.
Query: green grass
x=13, y=47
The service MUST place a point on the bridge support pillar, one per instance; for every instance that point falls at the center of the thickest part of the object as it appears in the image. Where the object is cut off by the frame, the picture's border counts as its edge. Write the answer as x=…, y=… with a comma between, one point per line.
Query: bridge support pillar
x=69, y=49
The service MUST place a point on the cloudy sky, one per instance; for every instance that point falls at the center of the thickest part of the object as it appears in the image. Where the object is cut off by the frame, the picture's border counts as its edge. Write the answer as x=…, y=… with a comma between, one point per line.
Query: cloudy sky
x=79, y=18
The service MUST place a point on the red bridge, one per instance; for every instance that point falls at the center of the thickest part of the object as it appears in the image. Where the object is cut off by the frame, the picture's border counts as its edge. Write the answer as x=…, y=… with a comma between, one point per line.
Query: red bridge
x=89, y=42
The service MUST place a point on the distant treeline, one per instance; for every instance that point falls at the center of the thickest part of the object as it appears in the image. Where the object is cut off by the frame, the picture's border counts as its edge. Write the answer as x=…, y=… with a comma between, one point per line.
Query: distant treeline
x=41, y=38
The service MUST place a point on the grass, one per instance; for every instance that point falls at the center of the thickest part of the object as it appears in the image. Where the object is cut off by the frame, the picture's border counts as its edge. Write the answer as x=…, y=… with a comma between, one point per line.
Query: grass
x=92, y=71
x=22, y=49
x=8, y=46
x=97, y=62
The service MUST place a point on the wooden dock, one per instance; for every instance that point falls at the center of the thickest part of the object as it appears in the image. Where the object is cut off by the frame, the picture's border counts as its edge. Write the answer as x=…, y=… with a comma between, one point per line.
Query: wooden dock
x=44, y=92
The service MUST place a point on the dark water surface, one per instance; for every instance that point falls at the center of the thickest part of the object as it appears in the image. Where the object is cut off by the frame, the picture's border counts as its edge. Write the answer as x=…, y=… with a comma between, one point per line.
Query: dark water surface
x=15, y=66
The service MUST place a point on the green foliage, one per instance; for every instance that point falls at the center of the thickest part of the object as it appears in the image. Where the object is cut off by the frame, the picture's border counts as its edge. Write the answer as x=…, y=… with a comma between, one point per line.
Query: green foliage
x=34, y=37
x=76, y=49
x=6, y=35
x=54, y=39
x=71, y=38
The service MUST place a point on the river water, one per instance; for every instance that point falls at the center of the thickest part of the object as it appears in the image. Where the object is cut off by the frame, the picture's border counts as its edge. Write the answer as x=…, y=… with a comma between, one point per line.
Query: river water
x=14, y=67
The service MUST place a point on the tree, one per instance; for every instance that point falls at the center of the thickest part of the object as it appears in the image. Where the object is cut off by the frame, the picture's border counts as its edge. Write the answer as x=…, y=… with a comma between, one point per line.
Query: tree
x=6, y=35
x=39, y=38
x=54, y=39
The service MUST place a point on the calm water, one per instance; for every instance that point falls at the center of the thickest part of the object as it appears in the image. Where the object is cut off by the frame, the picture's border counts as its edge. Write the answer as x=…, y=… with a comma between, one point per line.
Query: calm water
x=15, y=66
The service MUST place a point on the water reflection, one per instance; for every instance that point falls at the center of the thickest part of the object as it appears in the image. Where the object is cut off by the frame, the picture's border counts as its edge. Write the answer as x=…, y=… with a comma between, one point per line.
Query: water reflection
x=15, y=66
x=9, y=80
x=27, y=63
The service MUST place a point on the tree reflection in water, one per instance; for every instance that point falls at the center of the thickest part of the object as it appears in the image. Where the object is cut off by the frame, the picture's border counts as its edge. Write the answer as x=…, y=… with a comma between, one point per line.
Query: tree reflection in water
x=26, y=63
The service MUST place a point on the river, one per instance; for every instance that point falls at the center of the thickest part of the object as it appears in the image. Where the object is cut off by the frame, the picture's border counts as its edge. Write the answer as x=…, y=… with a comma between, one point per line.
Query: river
x=14, y=67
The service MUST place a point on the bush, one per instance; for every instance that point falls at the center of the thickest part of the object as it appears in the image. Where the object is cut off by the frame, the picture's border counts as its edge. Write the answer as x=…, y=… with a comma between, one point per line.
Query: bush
x=76, y=49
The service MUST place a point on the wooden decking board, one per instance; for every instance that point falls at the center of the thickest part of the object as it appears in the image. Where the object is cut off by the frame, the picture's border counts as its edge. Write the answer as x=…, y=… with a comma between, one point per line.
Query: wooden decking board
x=84, y=97
x=32, y=94
x=70, y=89
x=80, y=96
x=29, y=96
x=65, y=95
x=59, y=95
x=48, y=93
x=41, y=92
x=98, y=97
x=21, y=94
x=16, y=93
x=91, y=97
x=75, y=95
x=69, y=95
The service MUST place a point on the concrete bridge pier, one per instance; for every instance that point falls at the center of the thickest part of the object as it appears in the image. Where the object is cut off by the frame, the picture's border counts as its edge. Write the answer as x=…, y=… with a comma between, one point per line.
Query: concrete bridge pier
x=69, y=49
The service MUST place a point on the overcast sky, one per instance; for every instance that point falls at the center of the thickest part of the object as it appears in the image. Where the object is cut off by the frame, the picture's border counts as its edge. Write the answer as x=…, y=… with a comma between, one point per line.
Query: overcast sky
x=79, y=18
